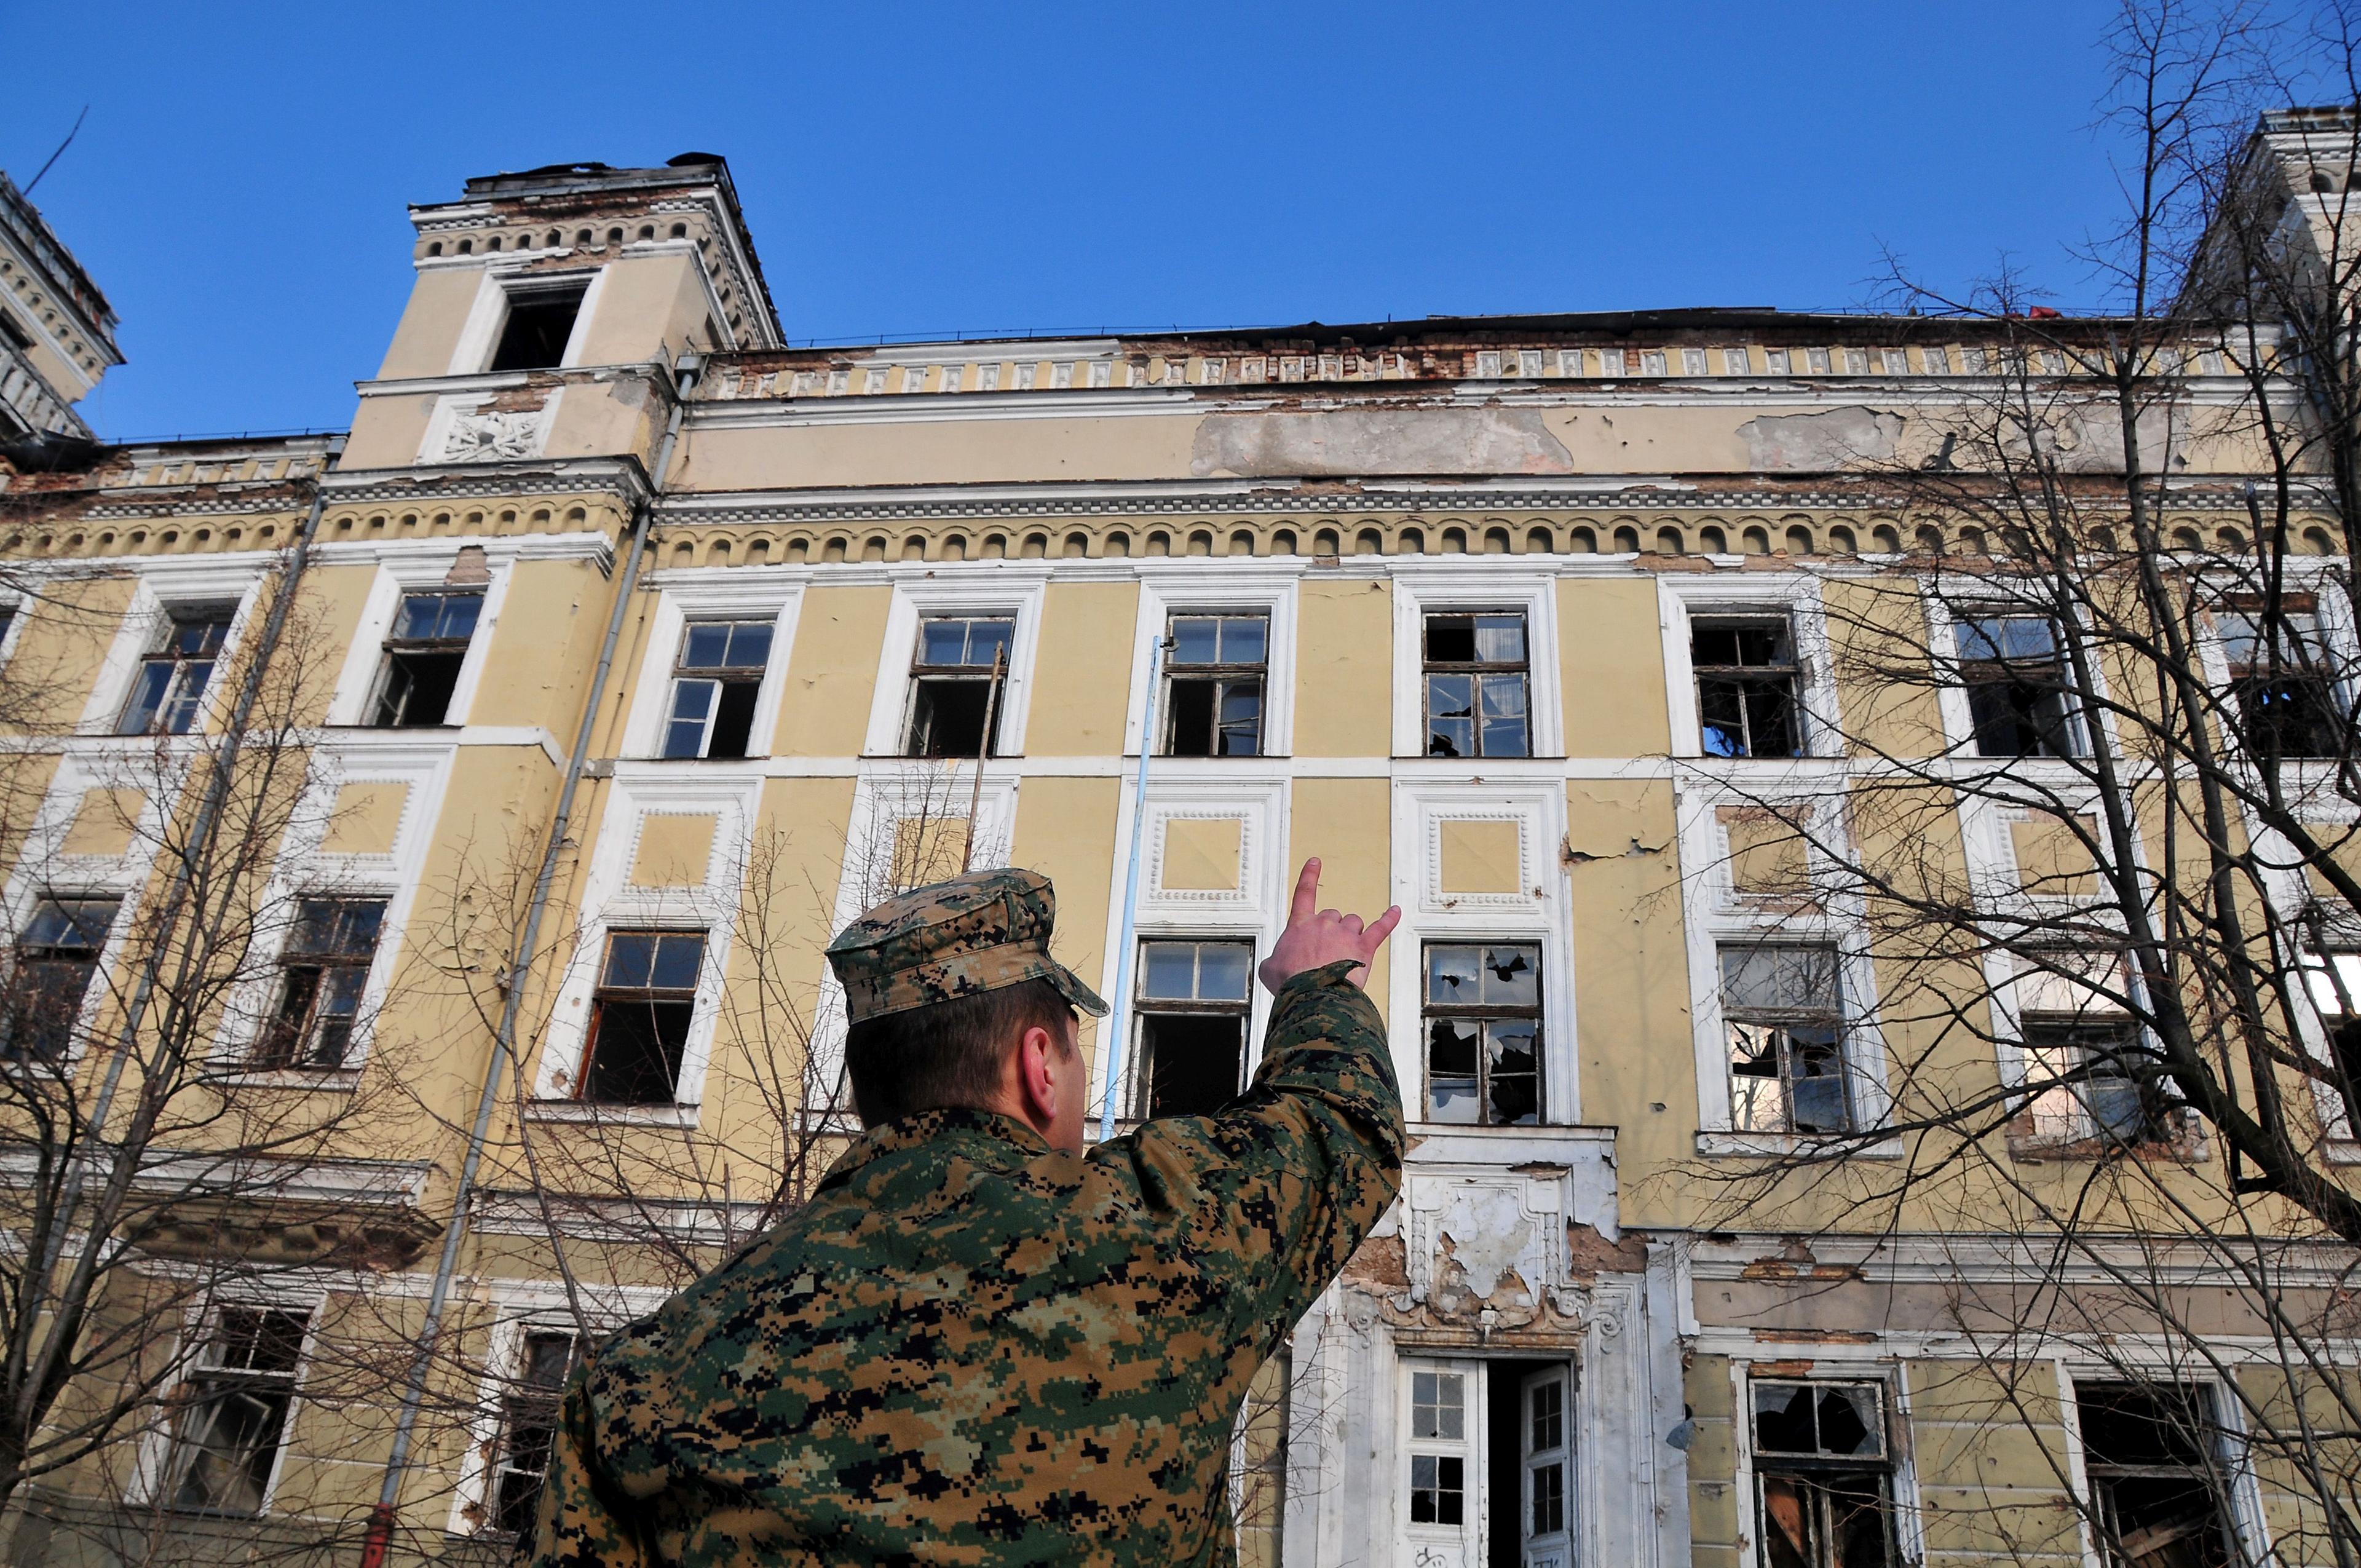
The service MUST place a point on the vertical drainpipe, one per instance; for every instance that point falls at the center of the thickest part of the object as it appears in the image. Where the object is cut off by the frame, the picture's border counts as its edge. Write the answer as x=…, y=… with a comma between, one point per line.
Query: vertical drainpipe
x=1119, y=1004
x=379, y=1538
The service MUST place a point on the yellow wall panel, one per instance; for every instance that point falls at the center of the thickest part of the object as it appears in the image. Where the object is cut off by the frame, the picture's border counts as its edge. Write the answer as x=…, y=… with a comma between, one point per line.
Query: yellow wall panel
x=674, y=849
x=1082, y=670
x=1344, y=669
x=1611, y=666
x=1201, y=854
x=1480, y=856
x=832, y=673
x=367, y=818
x=104, y=822
x=1065, y=830
x=1343, y=821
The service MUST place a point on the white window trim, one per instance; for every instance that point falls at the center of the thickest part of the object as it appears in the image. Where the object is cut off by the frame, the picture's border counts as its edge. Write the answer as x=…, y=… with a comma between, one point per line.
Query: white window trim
x=1894, y=1376
x=488, y=312
x=2243, y=1502
x=1795, y=595
x=1951, y=695
x=1186, y=588
x=1011, y=593
x=163, y=586
x=472, y=1498
x=413, y=572
x=154, y=1459
x=1420, y=590
x=711, y=594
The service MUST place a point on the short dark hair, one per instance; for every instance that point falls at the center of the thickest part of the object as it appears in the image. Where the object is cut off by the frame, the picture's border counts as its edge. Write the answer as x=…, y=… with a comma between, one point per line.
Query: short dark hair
x=947, y=1053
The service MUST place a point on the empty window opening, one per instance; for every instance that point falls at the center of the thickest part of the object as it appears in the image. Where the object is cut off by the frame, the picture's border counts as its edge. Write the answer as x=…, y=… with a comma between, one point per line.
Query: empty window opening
x=1748, y=686
x=1783, y=1019
x=1475, y=685
x=714, y=685
x=233, y=1412
x=2282, y=684
x=1215, y=686
x=323, y=974
x=957, y=679
x=540, y=321
x=57, y=957
x=1193, y=1002
x=1484, y=1033
x=422, y=659
x=2016, y=686
x=170, y=684
x=12, y=333
x=1528, y=1463
x=2093, y=1078
x=529, y=1427
x=641, y=1013
x=2152, y=1453
x=1823, y=1474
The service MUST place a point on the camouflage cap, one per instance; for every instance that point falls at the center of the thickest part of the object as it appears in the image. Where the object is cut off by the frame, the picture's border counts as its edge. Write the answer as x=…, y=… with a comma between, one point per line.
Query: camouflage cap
x=974, y=932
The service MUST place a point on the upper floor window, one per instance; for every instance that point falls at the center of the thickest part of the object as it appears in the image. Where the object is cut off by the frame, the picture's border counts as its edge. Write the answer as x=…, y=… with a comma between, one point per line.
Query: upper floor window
x=170, y=685
x=640, y=1012
x=57, y=957
x=1748, y=683
x=422, y=657
x=529, y=1427
x=713, y=688
x=1214, y=686
x=2098, y=1080
x=957, y=679
x=1823, y=1474
x=323, y=973
x=2151, y=1454
x=2016, y=686
x=539, y=321
x=1193, y=1001
x=1783, y=1016
x=233, y=1415
x=1484, y=1033
x=1476, y=679
x=2282, y=681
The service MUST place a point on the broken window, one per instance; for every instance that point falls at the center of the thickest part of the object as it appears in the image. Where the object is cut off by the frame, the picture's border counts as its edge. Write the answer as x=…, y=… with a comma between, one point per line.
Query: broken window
x=1822, y=1474
x=713, y=688
x=1193, y=1001
x=540, y=321
x=57, y=956
x=1484, y=1033
x=529, y=1427
x=2336, y=981
x=2016, y=686
x=1784, y=1023
x=170, y=684
x=1214, y=686
x=2282, y=684
x=1748, y=683
x=1475, y=685
x=323, y=973
x=2089, y=1071
x=640, y=1012
x=233, y=1412
x=958, y=677
x=422, y=659
x=2151, y=1451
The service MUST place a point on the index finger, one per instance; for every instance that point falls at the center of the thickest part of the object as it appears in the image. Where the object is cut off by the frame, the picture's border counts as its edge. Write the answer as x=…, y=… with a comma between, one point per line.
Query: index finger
x=1307, y=892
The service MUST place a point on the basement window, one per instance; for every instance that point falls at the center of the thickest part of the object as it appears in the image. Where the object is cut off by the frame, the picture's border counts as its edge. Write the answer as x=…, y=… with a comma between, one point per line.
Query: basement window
x=640, y=1012
x=1193, y=1001
x=540, y=321
x=422, y=659
x=713, y=688
x=2151, y=1454
x=957, y=683
x=1823, y=1476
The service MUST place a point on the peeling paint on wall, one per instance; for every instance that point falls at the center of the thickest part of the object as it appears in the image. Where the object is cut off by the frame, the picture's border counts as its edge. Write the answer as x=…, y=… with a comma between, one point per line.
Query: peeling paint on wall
x=1379, y=441
x=1816, y=442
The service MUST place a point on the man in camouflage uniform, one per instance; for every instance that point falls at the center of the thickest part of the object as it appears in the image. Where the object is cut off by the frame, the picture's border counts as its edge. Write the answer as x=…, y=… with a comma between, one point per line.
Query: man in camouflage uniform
x=977, y=1344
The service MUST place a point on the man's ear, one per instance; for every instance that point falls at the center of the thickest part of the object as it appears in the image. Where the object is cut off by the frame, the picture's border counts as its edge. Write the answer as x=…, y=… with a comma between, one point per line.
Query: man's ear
x=1036, y=1084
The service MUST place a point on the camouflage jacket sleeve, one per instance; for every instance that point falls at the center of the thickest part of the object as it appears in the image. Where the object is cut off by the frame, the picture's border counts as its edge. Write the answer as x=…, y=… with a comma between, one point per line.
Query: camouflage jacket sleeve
x=1276, y=1190
x=581, y=1521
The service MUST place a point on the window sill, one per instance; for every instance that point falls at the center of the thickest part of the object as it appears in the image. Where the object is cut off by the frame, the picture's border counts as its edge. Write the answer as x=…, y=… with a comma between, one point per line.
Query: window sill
x=329, y=1080
x=2183, y=1150
x=1726, y=1144
x=580, y=1111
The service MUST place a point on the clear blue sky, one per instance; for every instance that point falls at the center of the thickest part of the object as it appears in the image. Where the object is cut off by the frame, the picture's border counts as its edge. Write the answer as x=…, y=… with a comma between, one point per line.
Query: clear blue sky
x=239, y=190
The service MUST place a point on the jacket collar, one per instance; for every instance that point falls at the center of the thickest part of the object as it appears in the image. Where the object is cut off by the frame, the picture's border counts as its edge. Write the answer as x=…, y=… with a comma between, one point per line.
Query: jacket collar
x=984, y=1135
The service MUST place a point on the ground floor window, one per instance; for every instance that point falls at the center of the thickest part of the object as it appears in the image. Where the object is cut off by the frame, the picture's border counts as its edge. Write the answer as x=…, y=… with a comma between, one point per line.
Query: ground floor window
x=1488, y=1473
x=2152, y=1455
x=233, y=1411
x=1823, y=1474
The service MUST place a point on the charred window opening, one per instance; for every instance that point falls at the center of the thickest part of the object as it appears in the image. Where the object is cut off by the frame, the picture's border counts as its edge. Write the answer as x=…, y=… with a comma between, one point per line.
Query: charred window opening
x=2151, y=1454
x=641, y=1013
x=957, y=680
x=1475, y=687
x=57, y=957
x=528, y=1429
x=2282, y=684
x=1783, y=1015
x=422, y=659
x=540, y=321
x=1748, y=683
x=233, y=1413
x=170, y=685
x=1484, y=1034
x=1823, y=1477
x=1193, y=1001
x=1215, y=686
x=2017, y=687
x=714, y=685
x=323, y=974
